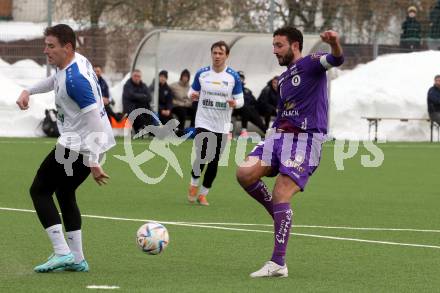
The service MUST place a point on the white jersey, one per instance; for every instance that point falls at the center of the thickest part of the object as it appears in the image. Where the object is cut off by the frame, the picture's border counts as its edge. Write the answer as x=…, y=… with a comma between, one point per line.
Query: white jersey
x=213, y=112
x=77, y=93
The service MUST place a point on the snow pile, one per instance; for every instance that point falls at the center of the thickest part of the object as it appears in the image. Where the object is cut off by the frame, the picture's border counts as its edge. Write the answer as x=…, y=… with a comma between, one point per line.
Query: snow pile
x=15, y=30
x=14, y=122
x=391, y=86
x=13, y=79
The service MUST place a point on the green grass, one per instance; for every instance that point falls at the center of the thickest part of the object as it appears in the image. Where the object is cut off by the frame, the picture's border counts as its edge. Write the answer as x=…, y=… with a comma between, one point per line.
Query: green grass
x=402, y=193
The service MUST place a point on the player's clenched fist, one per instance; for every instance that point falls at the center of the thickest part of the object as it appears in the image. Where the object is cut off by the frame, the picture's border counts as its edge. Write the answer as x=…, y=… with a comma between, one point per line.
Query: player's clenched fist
x=195, y=96
x=330, y=37
x=23, y=100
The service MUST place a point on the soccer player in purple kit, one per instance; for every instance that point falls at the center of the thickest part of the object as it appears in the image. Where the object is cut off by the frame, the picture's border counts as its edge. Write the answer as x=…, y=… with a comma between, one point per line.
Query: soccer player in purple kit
x=293, y=149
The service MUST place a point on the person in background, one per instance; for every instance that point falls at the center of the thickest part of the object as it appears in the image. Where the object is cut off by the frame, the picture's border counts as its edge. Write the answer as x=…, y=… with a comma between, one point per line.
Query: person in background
x=218, y=89
x=136, y=95
x=249, y=110
x=182, y=104
x=434, y=30
x=108, y=101
x=411, y=31
x=165, y=97
x=434, y=100
x=268, y=100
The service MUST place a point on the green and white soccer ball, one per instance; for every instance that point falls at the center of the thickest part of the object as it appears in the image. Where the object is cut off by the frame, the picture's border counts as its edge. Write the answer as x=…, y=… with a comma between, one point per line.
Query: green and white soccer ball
x=152, y=238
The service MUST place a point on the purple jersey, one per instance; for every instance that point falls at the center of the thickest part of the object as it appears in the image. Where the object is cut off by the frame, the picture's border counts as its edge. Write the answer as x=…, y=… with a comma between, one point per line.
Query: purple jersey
x=303, y=91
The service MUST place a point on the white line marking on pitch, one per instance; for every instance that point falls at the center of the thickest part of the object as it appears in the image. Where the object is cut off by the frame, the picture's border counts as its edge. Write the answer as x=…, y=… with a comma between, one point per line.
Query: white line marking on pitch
x=105, y=287
x=249, y=224
x=321, y=227
x=244, y=230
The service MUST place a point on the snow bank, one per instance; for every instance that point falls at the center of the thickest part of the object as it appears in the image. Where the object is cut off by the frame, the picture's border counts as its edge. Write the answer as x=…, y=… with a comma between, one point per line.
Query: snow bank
x=394, y=85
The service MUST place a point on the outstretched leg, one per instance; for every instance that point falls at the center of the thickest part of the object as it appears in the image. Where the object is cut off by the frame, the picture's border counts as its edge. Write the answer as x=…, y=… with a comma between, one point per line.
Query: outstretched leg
x=249, y=176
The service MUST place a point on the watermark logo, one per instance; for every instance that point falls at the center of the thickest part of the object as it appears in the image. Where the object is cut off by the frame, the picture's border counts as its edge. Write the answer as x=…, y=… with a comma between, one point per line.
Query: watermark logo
x=374, y=159
x=163, y=137
x=298, y=152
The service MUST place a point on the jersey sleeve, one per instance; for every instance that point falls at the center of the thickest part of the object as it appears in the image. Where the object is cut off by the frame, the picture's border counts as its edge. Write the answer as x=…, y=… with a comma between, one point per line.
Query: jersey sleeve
x=79, y=89
x=238, y=87
x=328, y=61
x=43, y=86
x=324, y=61
x=196, y=87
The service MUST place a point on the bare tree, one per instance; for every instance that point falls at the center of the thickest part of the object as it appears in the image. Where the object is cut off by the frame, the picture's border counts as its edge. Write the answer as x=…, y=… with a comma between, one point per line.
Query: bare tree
x=361, y=20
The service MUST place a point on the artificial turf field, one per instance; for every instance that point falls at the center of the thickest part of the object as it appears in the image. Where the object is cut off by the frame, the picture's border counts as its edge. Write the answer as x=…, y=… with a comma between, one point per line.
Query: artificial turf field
x=403, y=193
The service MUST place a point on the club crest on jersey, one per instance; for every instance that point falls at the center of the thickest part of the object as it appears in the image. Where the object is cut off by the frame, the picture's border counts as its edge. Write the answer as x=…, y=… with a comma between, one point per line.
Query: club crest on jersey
x=296, y=80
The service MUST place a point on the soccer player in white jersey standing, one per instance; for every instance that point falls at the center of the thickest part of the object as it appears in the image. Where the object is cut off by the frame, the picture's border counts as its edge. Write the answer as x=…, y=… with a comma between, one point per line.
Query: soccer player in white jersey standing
x=86, y=135
x=218, y=90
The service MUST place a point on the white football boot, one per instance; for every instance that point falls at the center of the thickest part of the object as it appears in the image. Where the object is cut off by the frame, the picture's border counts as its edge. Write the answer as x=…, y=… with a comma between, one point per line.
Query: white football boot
x=271, y=269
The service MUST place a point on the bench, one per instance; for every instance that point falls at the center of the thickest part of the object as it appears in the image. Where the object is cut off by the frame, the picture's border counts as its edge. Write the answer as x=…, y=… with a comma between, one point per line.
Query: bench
x=374, y=122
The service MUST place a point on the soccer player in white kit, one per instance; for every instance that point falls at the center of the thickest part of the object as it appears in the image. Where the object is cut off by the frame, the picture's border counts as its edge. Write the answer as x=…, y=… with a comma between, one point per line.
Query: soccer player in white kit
x=85, y=135
x=218, y=90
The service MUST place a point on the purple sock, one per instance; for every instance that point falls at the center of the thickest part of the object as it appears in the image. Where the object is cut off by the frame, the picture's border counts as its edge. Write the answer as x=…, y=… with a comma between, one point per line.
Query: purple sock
x=259, y=191
x=283, y=217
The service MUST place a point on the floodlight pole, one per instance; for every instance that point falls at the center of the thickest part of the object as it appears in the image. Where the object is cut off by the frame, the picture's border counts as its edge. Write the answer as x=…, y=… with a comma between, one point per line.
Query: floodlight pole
x=271, y=15
x=375, y=47
x=156, y=77
x=49, y=23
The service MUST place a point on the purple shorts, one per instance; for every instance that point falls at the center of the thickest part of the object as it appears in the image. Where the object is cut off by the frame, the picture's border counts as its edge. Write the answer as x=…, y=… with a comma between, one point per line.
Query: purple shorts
x=294, y=155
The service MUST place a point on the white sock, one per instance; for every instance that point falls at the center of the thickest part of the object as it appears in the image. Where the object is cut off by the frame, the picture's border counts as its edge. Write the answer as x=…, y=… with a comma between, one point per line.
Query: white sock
x=194, y=181
x=56, y=236
x=74, y=239
x=204, y=190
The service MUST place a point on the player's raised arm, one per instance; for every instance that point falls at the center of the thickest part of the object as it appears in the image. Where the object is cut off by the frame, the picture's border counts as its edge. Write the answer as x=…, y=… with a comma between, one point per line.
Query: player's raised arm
x=43, y=86
x=336, y=57
x=332, y=38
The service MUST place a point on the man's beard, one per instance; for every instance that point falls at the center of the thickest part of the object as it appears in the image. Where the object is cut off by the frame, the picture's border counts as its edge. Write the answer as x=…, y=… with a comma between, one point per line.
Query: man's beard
x=286, y=59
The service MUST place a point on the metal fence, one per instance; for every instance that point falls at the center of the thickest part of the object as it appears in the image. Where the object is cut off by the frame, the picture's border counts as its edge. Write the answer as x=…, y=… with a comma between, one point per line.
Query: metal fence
x=111, y=42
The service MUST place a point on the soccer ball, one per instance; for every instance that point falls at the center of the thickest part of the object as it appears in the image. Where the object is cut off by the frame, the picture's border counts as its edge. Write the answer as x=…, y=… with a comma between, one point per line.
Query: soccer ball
x=152, y=238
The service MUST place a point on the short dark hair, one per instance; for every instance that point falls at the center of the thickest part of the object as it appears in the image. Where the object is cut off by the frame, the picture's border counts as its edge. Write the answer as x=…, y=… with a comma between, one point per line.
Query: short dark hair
x=164, y=73
x=220, y=44
x=63, y=33
x=437, y=76
x=293, y=35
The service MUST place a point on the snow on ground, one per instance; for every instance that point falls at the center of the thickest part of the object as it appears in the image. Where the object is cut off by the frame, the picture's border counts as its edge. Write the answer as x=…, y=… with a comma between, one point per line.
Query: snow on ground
x=17, y=30
x=391, y=86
